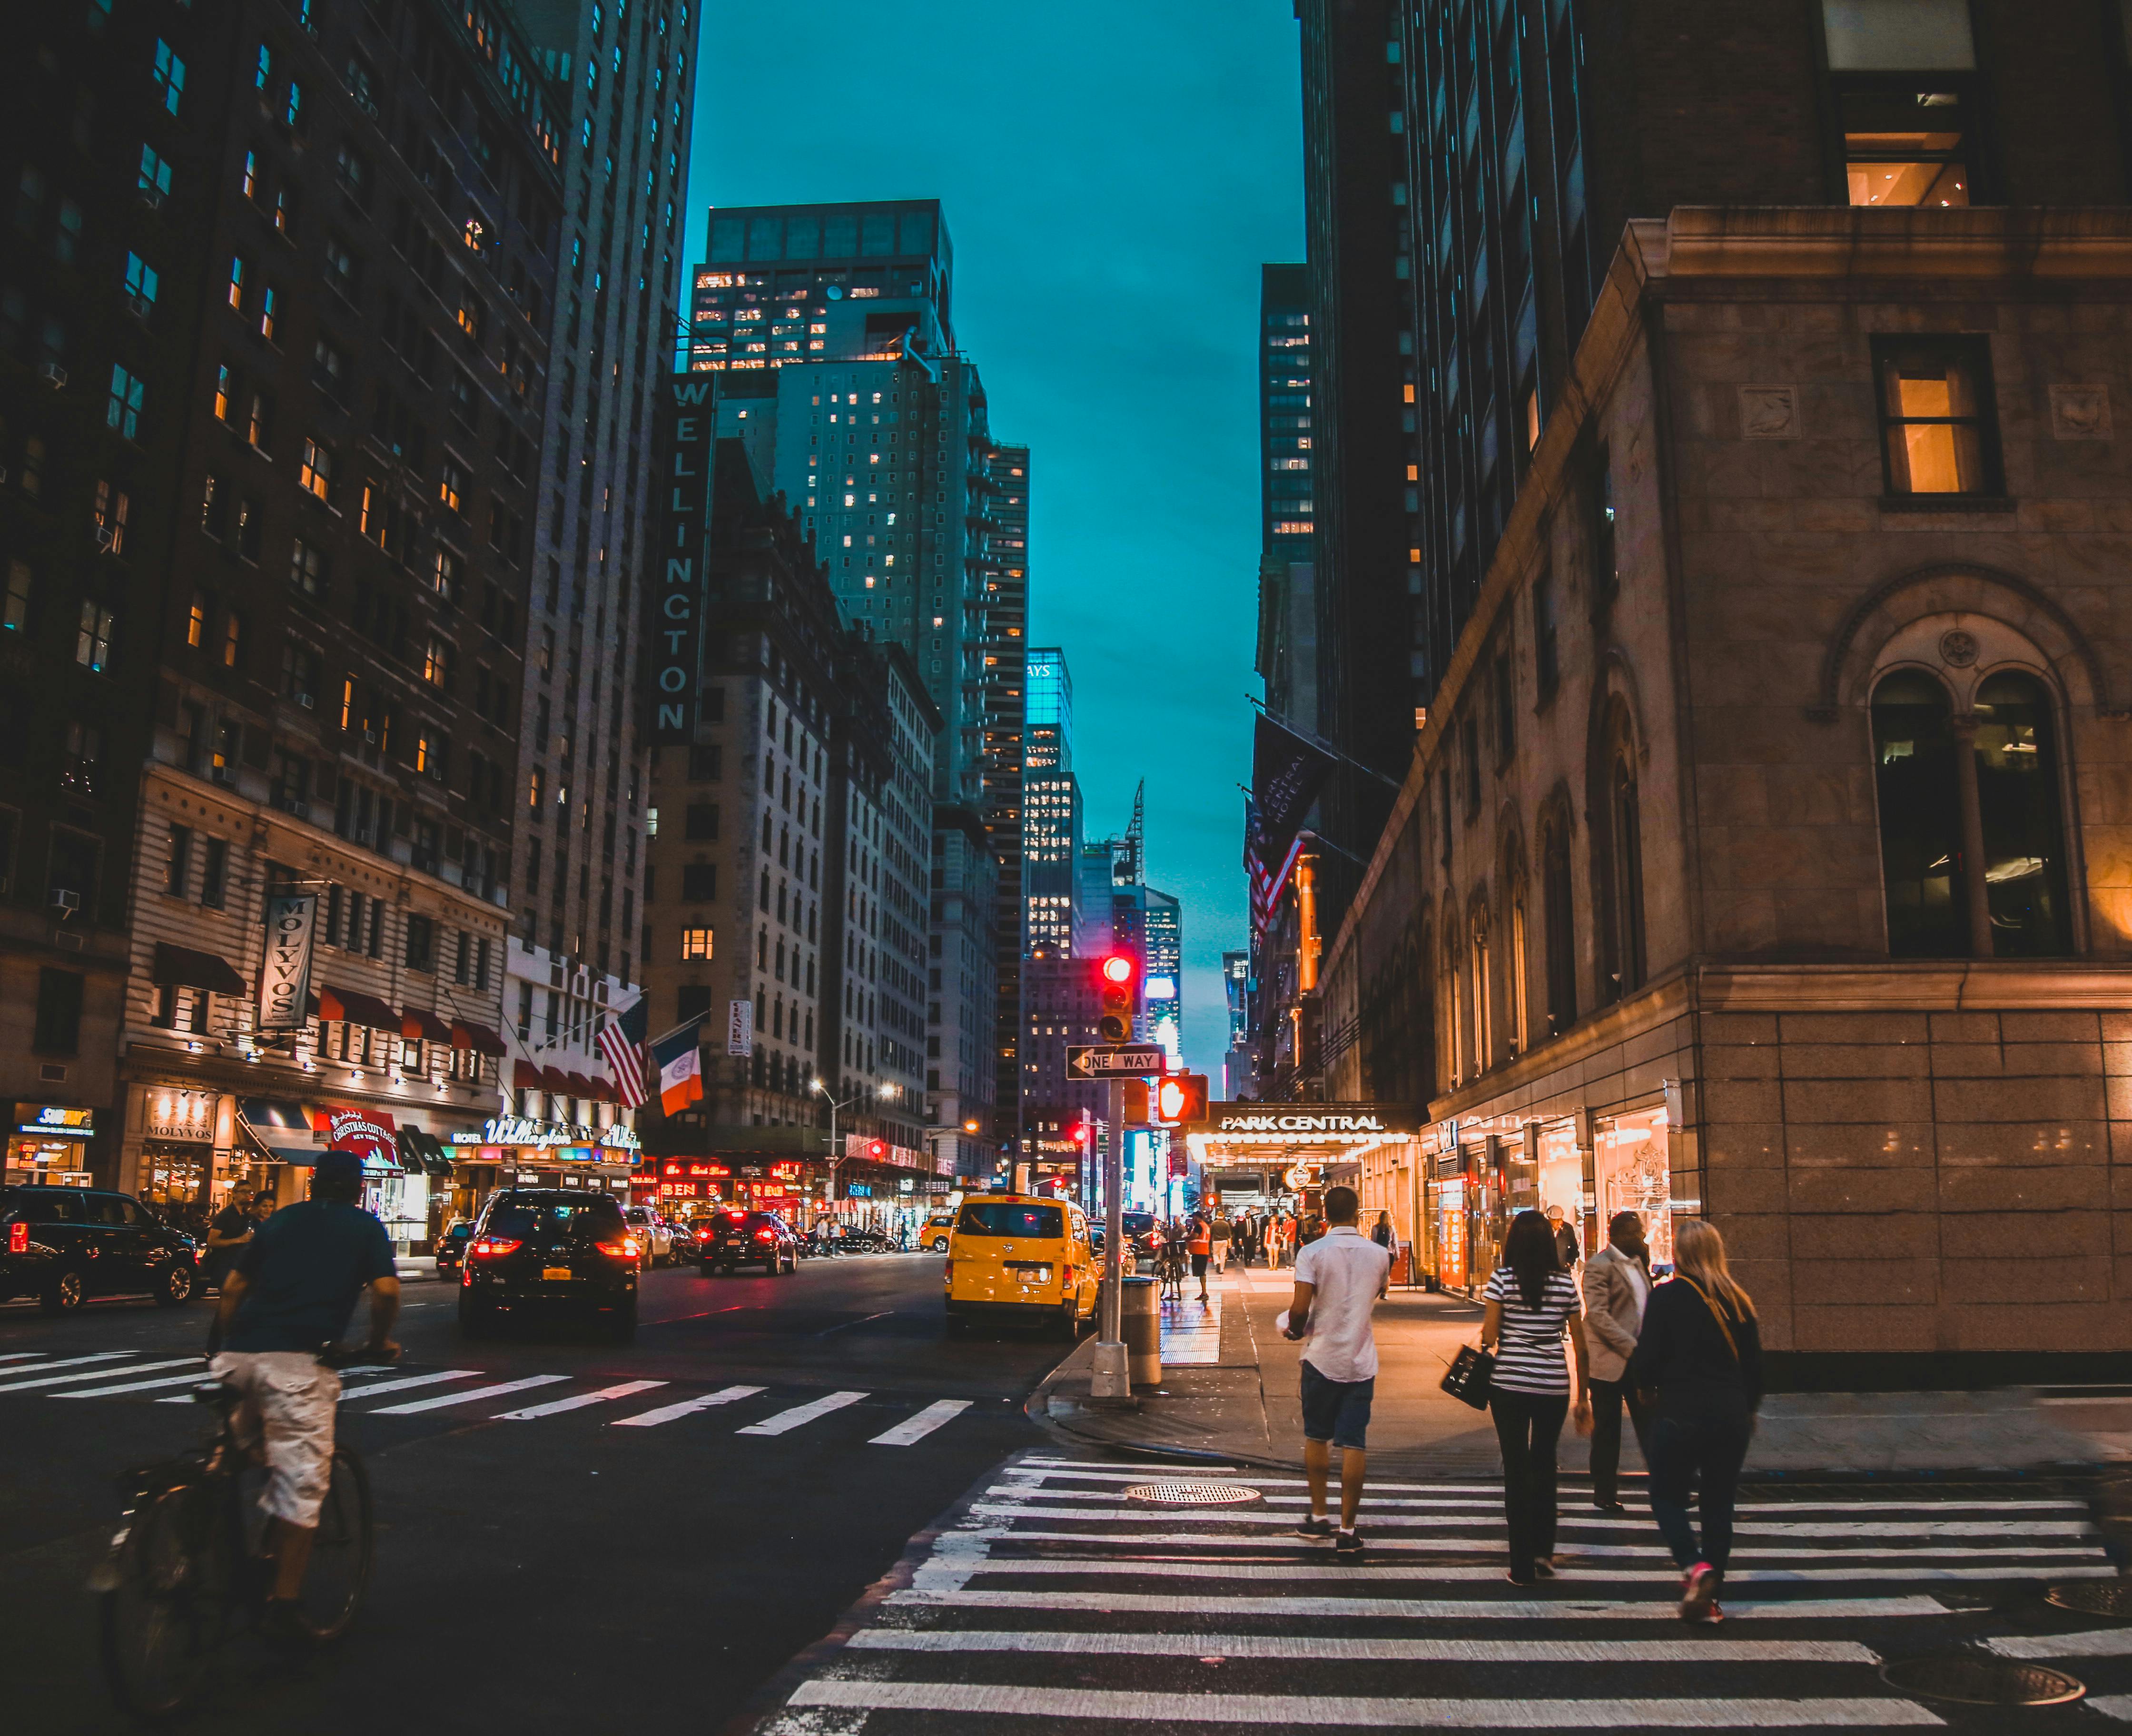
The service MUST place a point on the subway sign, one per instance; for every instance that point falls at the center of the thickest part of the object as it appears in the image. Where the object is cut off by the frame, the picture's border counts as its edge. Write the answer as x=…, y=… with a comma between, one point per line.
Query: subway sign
x=674, y=636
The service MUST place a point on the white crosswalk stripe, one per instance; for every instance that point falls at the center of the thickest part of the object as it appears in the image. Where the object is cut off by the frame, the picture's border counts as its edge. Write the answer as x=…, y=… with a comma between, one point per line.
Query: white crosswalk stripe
x=408, y=1383
x=1210, y=1609
x=415, y=1406
x=785, y=1421
x=914, y=1429
x=578, y=1401
x=688, y=1407
x=194, y=1378
x=103, y=1373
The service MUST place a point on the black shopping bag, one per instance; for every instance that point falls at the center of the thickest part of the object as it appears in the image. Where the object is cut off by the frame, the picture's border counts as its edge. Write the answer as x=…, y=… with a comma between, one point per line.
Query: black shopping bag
x=1466, y=1380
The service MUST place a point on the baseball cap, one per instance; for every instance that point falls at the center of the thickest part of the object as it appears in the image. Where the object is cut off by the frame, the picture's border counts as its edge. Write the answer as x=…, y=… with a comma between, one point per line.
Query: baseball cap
x=341, y=1169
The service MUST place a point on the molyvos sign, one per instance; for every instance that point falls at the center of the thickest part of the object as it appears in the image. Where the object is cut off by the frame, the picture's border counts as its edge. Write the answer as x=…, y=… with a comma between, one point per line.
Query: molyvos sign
x=1307, y=1123
x=285, y=972
x=683, y=444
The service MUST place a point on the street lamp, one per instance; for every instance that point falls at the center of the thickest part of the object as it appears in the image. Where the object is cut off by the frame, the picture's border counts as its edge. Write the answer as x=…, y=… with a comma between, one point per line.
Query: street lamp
x=835, y=1156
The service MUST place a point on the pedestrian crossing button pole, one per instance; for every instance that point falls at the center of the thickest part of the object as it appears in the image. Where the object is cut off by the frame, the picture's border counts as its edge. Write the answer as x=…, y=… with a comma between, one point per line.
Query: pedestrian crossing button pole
x=1111, y=1379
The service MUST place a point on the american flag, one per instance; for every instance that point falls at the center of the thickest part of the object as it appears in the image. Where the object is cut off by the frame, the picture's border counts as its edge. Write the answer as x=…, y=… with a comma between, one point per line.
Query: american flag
x=621, y=1041
x=1266, y=883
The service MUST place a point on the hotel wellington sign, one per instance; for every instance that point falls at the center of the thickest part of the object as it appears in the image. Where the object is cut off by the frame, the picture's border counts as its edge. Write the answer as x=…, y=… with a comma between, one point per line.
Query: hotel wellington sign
x=673, y=637
x=284, y=972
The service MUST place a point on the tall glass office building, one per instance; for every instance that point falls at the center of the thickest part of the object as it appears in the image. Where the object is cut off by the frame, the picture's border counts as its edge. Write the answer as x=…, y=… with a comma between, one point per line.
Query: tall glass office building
x=1051, y=810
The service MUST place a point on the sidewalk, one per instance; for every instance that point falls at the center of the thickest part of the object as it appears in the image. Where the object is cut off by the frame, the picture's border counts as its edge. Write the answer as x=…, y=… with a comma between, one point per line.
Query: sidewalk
x=1243, y=1408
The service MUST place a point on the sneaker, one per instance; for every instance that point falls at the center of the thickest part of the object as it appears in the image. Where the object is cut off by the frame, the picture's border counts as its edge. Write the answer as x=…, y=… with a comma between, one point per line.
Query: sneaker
x=1348, y=1543
x=1524, y=1581
x=1698, y=1592
x=1317, y=1530
x=1608, y=1507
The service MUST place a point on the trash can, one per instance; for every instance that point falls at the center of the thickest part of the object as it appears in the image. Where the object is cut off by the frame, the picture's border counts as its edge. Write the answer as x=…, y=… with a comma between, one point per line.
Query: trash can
x=1142, y=1330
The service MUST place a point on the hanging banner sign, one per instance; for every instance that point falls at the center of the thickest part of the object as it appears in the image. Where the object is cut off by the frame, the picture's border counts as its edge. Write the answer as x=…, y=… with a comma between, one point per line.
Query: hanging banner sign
x=682, y=481
x=739, y=1028
x=285, y=972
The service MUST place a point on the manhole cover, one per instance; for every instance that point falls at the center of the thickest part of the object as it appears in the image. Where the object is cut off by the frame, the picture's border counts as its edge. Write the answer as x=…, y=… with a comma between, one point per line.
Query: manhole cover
x=2094, y=1597
x=1193, y=1494
x=1972, y=1680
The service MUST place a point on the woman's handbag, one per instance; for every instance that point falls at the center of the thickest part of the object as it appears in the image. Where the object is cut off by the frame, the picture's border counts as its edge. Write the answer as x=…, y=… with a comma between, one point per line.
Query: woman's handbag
x=1468, y=1379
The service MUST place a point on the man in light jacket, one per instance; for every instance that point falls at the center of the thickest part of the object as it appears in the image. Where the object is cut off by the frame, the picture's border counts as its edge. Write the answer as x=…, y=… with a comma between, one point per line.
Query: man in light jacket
x=1617, y=1283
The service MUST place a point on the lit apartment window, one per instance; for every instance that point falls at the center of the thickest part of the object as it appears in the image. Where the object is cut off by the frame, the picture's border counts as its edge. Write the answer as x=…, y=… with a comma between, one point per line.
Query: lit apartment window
x=1938, y=435
x=1903, y=72
x=695, y=943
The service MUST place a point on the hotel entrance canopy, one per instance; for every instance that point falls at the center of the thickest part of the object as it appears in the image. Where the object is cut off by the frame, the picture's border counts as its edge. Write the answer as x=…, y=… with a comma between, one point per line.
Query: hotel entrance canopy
x=1276, y=1135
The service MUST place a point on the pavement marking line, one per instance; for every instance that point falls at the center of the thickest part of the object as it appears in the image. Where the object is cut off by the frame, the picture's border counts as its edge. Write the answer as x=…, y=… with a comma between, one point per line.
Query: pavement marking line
x=995, y=1567
x=847, y=1324
x=138, y=1367
x=199, y=1378
x=1351, y=1711
x=413, y=1405
x=1289, y=1647
x=2111, y=1706
x=378, y=1389
x=917, y=1427
x=1432, y=1610
x=577, y=1401
x=22, y=1356
x=785, y=1421
x=687, y=1406
x=2093, y=1643
x=1463, y=1546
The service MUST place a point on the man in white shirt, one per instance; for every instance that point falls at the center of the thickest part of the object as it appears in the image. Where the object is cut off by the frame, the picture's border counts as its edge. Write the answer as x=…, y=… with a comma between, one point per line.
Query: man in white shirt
x=1617, y=1283
x=1338, y=1279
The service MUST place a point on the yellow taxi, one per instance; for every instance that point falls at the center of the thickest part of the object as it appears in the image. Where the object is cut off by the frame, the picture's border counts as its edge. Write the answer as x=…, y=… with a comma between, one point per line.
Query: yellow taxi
x=1014, y=1257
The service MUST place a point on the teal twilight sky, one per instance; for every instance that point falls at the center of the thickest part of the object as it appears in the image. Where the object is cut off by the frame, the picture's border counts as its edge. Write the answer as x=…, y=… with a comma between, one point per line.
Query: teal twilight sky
x=1113, y=175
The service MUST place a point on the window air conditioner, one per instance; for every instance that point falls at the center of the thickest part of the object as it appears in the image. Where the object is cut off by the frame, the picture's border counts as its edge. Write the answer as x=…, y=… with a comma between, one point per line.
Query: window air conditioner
x=66, y=901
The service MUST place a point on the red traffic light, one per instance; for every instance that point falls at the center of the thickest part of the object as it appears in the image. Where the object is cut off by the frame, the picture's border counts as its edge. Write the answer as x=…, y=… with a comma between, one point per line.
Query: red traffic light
x=1117, y=968
x=877, y=1149
x=1114, y=983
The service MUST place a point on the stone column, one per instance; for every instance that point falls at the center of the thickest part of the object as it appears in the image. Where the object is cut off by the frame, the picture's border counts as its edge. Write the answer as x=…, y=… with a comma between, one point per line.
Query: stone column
x=1963, y=728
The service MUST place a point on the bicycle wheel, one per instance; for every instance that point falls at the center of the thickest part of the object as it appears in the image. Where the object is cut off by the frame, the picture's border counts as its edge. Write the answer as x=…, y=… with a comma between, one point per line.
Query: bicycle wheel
x=159, y=1623
x=340, y=1552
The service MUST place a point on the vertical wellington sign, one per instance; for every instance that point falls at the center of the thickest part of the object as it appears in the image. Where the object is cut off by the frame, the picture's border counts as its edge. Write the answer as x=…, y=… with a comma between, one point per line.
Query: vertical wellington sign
x=285, y=972
x=674, y=639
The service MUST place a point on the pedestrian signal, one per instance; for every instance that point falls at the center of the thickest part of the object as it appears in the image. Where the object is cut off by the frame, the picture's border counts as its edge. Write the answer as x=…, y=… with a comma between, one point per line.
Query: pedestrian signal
x=1136, y=1104
x=1182, y=1097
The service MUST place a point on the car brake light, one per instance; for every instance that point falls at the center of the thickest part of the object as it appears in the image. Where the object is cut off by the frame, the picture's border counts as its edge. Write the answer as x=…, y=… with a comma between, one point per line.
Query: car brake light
x=765, y=1235
x=626, y=1248
x=735, y=1215
x=18, y=1238
x=494, y=1247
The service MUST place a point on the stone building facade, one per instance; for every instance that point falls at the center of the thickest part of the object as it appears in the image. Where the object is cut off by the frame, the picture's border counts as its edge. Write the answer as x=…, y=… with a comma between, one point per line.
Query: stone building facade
x=1764, y=854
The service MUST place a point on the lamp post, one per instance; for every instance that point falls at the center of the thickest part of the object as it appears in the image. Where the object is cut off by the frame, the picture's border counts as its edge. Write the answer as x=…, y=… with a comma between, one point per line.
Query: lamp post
x=836, y=1157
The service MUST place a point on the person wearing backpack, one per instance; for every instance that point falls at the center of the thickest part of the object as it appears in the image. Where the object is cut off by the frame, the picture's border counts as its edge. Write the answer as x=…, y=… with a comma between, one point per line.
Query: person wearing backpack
x=1698, y=1364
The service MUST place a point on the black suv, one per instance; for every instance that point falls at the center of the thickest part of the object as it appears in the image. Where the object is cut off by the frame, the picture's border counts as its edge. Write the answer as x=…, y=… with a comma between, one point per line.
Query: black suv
x=65, y=1245
x=551, y=1253
x=749, y=1239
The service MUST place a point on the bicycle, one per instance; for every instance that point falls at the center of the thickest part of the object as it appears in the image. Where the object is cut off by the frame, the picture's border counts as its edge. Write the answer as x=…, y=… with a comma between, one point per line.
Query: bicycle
x=187, y=1569
x=1171, y=1267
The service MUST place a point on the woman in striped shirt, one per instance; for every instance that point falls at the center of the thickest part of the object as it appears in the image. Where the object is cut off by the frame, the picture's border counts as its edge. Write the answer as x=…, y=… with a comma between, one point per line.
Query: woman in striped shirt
x=1530, y=1301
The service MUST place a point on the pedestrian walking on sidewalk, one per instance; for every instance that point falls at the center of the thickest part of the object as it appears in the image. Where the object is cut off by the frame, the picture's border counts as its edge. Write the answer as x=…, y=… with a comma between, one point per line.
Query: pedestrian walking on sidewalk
x=1531, y=1302
x=1338, y=1279
x=1219, y=1233
x=1617, y=1283
x=1275, y=1234
x=1199, y=1243
x=1699, y=1363
x=1565, y=1238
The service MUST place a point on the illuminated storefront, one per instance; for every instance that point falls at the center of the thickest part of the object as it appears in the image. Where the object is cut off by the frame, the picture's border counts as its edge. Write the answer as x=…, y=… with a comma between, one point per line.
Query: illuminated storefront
x=515, y=1151
x=48, y=1144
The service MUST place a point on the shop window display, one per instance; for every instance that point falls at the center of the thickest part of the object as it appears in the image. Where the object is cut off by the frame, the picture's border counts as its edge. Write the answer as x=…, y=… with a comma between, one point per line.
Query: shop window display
x=1633, y=1171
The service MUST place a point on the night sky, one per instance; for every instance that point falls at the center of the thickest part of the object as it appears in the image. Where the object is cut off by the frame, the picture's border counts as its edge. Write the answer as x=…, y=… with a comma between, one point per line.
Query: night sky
x=1113, y=175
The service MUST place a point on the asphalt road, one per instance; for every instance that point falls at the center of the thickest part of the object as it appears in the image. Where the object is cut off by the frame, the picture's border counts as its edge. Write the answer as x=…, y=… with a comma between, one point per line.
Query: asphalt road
x=571, y=1570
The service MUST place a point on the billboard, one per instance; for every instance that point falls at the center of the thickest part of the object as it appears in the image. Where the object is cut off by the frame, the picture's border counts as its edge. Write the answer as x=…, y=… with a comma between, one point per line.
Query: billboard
x=682, y=443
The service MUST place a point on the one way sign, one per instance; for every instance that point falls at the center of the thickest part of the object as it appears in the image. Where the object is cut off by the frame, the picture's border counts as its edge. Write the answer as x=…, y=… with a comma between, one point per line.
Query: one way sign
x=1095, y=1061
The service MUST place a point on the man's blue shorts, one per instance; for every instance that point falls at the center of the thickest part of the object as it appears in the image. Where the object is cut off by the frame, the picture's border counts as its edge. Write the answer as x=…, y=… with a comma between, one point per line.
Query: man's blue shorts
x=1337, y=1411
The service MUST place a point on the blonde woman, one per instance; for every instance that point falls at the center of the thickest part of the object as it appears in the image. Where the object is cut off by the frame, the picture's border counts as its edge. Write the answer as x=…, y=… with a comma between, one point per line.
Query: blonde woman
x=1698, y=1364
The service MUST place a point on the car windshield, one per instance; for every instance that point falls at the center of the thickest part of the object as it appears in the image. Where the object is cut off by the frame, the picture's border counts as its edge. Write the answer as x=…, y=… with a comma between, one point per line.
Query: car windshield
x=523, y=1218
x=1139, y=1223
x=45, y=1206
x=998, y=1217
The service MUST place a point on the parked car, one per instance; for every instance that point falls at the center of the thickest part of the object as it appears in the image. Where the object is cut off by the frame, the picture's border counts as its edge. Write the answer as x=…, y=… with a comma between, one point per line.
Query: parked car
x=938, y=1229
x=546, y=1253
x=740, y=1239
x=651, y=1233
x=65, y=1245
x=451, y=1249
x=1015, y=1258
x=688, y=1237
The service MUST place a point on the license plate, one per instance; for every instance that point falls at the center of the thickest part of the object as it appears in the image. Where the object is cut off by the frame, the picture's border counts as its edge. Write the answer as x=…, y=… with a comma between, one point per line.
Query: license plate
x=555, y=1271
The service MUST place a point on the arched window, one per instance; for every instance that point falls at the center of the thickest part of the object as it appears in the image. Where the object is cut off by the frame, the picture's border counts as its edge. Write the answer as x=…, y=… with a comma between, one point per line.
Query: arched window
x=1454, y=1002
x=1484, y=1035
x=1561, y=919
x=1628, y=877
x=1916, y=772
x=1514, y=984
x=2017, y=799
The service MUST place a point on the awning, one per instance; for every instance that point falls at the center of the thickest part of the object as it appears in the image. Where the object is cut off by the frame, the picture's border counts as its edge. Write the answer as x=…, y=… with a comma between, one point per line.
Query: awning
x=466, y=1034
x=555, y=1080
x=525, y=1076
x=369, y=1133
x=273, y=1112
x=357, y=1008
x=421, y=1153
x=419, y=1025
x=186, y=969
x=580, y=1085
x=601, y=1091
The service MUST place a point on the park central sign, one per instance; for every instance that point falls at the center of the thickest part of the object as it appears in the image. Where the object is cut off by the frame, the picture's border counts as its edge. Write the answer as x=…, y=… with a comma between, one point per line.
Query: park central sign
x=1238, y=1124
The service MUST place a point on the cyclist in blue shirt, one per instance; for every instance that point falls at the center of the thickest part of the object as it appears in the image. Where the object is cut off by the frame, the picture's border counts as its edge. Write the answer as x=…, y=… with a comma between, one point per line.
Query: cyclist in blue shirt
x=291, y=1294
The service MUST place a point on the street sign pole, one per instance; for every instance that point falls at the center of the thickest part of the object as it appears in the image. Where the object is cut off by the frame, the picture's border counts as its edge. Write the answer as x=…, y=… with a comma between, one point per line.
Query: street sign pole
x=1111, y=1376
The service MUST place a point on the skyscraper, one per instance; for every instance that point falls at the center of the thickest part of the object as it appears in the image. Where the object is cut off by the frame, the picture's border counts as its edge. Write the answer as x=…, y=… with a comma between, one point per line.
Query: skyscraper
x=875, y=428
x=1051, y=812
x=1006, y=650
x=623, y=71
x=1288, y=597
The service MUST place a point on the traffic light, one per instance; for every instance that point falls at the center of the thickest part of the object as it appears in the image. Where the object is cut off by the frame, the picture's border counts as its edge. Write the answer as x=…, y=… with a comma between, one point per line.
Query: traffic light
x=1115, y=976
x=1135, y=1103
x=1182, y=1097
x=877, y=1149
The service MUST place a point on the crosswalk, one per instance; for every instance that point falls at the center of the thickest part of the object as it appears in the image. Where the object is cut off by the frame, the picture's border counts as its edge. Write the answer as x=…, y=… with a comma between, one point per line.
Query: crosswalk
x=469, y=1394
x=1078, y=1588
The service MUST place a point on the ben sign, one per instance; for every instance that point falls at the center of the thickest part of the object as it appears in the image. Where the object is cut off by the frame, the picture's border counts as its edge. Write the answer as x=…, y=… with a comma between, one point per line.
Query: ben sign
x=672, y=635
